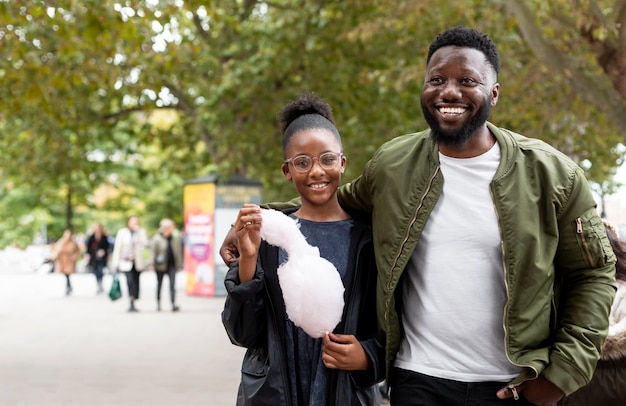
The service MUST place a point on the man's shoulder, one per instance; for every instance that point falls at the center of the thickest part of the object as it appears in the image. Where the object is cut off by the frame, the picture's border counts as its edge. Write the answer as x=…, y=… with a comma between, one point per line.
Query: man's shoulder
x=418, y=136
x=406, y=142
x=532, y=148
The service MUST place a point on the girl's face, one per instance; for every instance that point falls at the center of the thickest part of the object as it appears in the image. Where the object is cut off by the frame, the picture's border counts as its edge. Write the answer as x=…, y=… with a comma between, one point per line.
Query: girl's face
x=319, y=184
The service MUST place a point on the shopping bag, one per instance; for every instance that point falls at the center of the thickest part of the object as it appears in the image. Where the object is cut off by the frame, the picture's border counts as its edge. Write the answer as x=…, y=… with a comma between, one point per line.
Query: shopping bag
x=116, y=290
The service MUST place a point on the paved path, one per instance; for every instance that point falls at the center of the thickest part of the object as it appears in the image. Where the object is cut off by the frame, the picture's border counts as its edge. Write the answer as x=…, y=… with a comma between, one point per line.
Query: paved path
x=86, y=350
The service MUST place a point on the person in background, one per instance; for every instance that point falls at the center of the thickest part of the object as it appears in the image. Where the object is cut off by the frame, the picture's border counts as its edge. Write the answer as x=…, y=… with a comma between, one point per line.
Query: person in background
x=495, y=275
x=283, y=365
x=98, y=247
x=608, y=385
x=167, y=258
x=65, y=254
x=127, y=256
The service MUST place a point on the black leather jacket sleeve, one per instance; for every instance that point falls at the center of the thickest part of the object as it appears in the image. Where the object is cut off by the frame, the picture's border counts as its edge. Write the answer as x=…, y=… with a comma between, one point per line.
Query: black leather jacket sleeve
x=244, y=315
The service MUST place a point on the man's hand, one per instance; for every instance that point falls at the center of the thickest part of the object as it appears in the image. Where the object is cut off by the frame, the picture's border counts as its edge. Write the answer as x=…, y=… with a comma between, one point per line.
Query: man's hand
x=344, y=352
x=540, y=392
x=229, y=251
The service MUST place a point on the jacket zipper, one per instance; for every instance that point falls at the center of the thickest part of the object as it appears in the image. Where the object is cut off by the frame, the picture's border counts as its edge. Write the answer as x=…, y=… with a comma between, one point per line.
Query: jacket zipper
x=406, y=237
x=583, y=239
x=513, y=391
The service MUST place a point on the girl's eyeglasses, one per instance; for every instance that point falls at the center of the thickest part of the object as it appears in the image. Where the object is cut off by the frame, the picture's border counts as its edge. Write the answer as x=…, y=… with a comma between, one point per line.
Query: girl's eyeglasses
x=304, y=163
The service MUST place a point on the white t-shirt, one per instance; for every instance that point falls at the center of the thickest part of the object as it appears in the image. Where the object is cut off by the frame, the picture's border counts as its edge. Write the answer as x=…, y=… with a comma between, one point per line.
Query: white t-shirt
x=454, y=291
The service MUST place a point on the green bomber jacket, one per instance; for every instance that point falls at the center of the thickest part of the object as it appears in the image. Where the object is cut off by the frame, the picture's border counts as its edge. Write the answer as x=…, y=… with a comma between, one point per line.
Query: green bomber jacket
x=559, y=268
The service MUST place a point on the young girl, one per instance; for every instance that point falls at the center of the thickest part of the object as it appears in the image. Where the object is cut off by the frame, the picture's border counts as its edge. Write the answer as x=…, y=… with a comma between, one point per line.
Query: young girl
x=283, y=365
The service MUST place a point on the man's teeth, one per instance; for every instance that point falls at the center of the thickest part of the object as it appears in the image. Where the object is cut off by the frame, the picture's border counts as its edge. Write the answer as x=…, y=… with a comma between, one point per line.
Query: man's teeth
x=318, y=185
x=451, y=110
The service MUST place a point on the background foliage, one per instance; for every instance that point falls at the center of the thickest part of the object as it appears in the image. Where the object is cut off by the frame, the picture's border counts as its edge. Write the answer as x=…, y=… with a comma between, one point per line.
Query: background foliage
x=108, y=107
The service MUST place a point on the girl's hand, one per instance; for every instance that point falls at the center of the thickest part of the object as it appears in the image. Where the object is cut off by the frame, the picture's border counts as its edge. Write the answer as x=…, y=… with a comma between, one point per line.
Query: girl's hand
x=344, y=352
x=248, y=229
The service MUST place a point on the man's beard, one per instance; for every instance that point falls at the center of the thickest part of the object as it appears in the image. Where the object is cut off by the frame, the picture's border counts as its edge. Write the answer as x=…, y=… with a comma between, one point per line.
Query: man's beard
x=456, y=138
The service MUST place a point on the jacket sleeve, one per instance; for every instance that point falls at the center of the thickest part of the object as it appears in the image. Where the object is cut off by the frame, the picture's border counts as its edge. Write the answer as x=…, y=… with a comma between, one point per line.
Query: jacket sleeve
x=585, y=266
x=244, y=315
x=282, y=206
x=375, y=350
x=356, y=196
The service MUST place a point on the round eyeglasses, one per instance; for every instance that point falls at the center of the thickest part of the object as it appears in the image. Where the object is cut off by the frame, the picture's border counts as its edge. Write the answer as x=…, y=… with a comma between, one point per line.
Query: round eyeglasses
x=304, y=163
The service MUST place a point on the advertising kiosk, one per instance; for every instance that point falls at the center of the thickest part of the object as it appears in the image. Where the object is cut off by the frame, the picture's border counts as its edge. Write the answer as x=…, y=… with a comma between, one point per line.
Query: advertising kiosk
x=210, y=207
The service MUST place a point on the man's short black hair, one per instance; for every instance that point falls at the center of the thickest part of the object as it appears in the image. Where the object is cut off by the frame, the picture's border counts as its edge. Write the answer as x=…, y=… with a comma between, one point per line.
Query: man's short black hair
x=469, y=38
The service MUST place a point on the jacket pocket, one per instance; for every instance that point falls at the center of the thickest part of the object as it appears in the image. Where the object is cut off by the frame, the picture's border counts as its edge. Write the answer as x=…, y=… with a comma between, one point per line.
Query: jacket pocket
x=254, y=370
x=590, y=235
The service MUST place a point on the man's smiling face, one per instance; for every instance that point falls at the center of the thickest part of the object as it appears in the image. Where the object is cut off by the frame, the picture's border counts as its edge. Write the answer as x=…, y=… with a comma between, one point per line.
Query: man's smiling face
x=459, y=90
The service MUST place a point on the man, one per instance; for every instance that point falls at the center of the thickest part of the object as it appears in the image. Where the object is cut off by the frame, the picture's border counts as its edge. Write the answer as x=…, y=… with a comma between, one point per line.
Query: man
x=495, y=274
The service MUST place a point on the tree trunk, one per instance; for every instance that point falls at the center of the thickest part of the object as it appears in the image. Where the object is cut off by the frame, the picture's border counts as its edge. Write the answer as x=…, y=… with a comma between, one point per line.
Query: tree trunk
x=68, y=208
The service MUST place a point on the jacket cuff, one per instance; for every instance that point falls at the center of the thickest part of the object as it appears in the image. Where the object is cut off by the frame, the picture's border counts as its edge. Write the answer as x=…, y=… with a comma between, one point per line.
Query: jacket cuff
x=243, y=291
x=564, y=375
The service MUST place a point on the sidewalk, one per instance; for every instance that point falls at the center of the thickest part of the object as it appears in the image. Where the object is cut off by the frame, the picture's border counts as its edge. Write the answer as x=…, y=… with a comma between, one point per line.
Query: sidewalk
x=87, y=350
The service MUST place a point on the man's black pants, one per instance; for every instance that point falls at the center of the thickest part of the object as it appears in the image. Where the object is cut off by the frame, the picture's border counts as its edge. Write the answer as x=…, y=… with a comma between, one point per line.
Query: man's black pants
x=410, y=388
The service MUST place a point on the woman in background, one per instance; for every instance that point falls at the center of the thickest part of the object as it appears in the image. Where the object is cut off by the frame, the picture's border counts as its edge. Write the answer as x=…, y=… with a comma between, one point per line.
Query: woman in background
x=127, y=256
x=98, y=252
x=65, y=255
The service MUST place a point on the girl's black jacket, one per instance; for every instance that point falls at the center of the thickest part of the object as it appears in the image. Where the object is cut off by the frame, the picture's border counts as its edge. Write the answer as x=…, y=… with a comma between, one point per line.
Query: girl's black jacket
x=254, y=317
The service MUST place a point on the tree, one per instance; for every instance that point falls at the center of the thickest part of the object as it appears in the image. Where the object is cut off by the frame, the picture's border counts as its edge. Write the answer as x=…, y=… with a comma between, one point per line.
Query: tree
x=597, y=31
x=134, y=97
x=536, y=99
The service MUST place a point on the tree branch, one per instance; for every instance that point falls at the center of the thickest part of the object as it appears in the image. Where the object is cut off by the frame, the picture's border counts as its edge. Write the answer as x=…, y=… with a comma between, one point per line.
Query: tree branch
x=247, y=9
x=183, y=104
x=121, y=113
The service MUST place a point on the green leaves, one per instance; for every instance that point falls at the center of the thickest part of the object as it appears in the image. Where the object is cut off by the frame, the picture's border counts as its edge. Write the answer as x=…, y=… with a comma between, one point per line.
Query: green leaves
x=136, y=97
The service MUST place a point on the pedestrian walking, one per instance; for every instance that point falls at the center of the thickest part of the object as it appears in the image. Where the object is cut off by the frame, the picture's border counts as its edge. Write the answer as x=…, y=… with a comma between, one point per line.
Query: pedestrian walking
x=98, y=247
x=65, y=254
x=127, y=257
x=167, y=258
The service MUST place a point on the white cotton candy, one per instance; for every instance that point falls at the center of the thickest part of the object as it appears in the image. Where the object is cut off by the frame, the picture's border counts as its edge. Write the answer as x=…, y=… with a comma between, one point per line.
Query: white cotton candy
x=312, y=288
